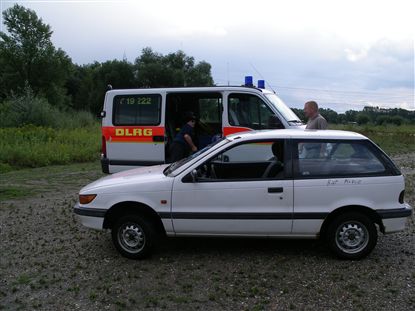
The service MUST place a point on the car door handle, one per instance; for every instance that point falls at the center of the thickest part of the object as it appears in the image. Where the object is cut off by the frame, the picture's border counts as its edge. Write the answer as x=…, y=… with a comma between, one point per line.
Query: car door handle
x=276, y=190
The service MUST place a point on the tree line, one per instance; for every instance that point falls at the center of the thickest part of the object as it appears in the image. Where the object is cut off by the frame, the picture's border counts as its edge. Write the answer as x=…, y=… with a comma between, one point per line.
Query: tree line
x=369, y=115
x=33, y=72
x=39, y=83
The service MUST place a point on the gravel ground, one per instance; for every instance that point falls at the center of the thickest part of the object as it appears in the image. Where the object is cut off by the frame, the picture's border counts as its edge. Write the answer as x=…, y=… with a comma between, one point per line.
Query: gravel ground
x=50, y=262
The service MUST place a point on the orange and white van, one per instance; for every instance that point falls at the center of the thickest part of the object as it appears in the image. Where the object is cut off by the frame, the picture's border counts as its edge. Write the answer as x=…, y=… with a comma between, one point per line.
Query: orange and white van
x=138, y=125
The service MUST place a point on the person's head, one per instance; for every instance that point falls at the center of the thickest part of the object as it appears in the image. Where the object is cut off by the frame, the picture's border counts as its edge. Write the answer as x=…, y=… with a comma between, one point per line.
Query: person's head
x=190, y=118
x=310, y=109
x=278, y=150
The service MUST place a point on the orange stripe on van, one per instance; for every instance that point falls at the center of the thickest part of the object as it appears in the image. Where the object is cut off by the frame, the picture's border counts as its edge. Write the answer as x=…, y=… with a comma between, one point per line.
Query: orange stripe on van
x=234, y=129
x=142, y=134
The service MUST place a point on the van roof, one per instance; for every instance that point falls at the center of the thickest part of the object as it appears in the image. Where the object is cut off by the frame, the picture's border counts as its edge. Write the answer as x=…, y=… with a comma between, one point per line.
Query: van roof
x=297, y=133
x=189, y=89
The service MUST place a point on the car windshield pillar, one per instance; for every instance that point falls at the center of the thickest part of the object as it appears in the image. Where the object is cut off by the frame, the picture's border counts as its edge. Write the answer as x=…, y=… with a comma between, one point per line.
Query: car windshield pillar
x=176, y=165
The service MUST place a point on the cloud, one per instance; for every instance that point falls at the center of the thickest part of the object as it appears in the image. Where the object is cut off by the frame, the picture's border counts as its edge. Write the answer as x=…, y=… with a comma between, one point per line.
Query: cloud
x=355, y=55
x=398, y=50
x=190, y=31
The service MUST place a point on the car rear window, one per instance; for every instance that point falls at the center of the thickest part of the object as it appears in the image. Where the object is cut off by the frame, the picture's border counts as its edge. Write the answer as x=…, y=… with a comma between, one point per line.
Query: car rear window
x=142, y=109
x=329, y=159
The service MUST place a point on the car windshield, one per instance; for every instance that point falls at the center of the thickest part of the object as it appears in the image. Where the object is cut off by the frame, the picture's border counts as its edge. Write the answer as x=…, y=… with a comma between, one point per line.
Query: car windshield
x=174, y=166
x=286, y=112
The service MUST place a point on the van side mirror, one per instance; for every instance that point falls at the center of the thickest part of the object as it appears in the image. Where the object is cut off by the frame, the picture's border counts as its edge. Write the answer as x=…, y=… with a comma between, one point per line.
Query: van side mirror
x=193, y=173
x=101, y=114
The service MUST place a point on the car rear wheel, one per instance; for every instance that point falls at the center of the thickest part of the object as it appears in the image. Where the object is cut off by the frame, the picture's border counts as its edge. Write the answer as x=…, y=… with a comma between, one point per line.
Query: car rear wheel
x=352, y=236
x=133, y=236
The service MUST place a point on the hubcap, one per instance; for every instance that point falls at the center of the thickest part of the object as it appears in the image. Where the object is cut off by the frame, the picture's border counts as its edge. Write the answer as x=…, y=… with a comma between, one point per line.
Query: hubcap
x=131, y=237
x=352, y=237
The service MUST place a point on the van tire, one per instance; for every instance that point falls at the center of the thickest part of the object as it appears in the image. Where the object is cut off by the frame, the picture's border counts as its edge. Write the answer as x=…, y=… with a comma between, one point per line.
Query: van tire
x=133, y=236
x=352, y=236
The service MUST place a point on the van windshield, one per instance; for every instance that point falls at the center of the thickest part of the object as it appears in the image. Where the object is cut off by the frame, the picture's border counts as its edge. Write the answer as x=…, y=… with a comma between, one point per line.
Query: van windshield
x=174, y=166
x=286, y=112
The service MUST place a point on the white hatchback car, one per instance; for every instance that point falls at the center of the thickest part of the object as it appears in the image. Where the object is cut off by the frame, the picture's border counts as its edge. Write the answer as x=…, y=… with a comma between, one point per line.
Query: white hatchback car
x=287, y=183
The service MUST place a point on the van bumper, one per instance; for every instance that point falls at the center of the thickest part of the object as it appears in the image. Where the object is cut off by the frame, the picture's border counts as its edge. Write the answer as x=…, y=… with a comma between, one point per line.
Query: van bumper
x=90, y=217
x=394, y=220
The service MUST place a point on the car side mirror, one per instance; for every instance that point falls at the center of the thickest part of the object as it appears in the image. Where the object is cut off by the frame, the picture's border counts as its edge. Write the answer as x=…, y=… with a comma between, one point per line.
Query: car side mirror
x=193, y=173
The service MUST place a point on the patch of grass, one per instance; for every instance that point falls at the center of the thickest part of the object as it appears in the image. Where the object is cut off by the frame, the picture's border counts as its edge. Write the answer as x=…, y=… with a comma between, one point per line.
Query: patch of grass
x=40, y=181
x=391, y=138
x=7, y=193
x=151, y=301
x=180, y=299
x=32, y=146
x=23, y=279
x=92, y=295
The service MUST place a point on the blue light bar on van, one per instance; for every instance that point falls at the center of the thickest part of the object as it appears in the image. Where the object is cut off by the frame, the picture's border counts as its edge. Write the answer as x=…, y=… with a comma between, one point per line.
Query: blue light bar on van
x=249, y=81
x=261, y=84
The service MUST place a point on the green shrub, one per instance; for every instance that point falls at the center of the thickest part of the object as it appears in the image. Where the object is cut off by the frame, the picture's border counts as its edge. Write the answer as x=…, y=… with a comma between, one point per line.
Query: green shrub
x=28, y=109
x=33, y=146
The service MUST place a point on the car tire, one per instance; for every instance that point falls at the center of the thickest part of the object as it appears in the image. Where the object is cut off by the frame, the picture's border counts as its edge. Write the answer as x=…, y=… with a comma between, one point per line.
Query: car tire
x=352, y=236
x=133, y=236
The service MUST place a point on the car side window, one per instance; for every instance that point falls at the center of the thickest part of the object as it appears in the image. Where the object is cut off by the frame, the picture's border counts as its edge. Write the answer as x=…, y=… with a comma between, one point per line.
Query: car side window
x=248, y=161
x=330, y=159
x=248, y=110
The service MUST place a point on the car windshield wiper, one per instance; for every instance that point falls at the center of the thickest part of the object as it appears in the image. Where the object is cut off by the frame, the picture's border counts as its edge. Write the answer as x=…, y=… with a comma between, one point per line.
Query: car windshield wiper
x=296, y=121
x=167, y=170
x=172, y=166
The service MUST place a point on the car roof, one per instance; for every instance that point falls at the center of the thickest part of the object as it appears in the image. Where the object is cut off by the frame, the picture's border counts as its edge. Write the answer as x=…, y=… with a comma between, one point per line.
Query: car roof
x=297, y=133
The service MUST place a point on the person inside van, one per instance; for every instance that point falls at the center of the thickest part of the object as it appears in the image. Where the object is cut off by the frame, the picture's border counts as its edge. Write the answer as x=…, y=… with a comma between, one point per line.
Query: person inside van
x=183, y=142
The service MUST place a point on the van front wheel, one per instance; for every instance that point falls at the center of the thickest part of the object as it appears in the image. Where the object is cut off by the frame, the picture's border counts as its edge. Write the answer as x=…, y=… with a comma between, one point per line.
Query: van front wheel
x=352, y=236
x=133, y=236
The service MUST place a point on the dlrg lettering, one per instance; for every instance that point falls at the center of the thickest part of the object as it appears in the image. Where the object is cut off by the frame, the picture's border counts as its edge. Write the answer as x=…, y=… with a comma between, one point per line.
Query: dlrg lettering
x=133, y=132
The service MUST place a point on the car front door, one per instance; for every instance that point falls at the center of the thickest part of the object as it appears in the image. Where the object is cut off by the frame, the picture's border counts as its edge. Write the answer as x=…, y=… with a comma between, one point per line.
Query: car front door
x=245, y=190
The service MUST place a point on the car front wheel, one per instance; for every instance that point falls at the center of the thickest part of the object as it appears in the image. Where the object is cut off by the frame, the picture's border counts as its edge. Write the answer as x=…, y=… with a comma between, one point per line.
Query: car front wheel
x=352, y=236
x=133, y=236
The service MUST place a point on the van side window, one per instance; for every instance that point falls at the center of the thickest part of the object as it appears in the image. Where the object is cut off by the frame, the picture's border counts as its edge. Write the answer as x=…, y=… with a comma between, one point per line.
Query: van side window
x=210, y=110
x=250, y=111
x=331, y=159
x=137, y=109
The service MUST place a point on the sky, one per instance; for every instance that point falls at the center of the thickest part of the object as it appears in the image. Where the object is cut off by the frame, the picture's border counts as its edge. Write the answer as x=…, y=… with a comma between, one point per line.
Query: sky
x=342, y=54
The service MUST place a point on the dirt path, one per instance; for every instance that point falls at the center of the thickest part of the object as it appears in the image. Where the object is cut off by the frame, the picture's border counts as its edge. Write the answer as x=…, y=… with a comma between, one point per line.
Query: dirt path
x=50, y=262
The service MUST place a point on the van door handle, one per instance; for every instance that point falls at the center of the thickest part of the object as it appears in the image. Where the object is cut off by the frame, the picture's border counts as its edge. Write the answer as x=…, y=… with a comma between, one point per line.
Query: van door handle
x=276, y=190
x=158, y=138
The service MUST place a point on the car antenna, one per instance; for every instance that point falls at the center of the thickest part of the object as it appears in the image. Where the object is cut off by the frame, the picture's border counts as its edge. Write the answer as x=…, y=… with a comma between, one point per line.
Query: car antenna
x=262, y=77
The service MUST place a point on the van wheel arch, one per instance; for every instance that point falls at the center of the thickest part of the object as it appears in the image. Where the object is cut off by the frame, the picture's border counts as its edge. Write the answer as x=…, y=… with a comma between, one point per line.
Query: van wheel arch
x=370, y=213
x=133, y=208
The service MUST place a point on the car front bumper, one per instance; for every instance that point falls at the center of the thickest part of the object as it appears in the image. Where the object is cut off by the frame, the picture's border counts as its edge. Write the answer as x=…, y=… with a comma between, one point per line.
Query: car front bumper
x=90, y=217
